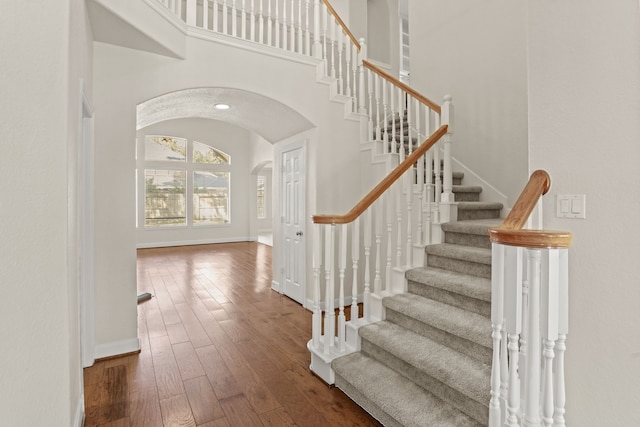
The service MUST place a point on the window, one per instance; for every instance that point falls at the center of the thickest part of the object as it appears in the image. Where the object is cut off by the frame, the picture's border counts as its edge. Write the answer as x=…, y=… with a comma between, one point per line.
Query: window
x=262, y=212
x=177, y=170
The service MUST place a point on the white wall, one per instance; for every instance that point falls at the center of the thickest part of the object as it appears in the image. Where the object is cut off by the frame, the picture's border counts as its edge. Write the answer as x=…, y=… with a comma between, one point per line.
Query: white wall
x=476, y=52
x=383, y=33
x=235, y=142
x=584, y=110
x=44, y=53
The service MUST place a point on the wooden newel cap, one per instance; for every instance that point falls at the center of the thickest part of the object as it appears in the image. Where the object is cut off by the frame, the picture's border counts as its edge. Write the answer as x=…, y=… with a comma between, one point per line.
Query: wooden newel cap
x=541, y=239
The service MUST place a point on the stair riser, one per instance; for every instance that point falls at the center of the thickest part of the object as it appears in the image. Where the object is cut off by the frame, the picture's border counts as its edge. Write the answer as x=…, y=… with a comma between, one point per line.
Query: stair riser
x=465, y=214
x=460, y=401
x=466, y=197
x=459, y=266
x=461, y=345
x=465, y=239
x=457, y=300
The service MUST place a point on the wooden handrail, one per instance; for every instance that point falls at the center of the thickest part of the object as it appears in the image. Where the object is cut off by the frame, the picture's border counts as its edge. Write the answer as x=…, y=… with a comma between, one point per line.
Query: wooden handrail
x=538, y=185
x=511, y=232
x=435, y=107
x=346, y=30
x=379, y=189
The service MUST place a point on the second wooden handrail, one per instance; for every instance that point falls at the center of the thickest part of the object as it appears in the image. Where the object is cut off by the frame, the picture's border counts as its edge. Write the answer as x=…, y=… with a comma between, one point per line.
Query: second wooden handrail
x=511, y=232
x=408, y=89
x=379, y=189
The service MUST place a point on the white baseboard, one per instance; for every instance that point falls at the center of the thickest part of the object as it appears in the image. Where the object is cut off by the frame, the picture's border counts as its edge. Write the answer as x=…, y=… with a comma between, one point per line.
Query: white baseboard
x=78, y=420
x=116, y=348
x=195, y=242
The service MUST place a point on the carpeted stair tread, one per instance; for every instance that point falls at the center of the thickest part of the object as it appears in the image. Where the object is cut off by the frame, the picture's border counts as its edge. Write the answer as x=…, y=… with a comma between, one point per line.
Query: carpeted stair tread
x=460, y=372
x=451, y=281
x=392, y=399
x=459, y=252
x=455, y=321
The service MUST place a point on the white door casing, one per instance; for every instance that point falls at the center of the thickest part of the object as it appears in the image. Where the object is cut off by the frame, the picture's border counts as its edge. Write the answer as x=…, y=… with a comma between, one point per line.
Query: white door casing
x=293, y=223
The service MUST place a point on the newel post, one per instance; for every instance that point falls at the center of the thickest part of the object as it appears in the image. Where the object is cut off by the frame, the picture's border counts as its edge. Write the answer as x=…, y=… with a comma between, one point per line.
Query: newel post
x=447, y=174
x=362, y=93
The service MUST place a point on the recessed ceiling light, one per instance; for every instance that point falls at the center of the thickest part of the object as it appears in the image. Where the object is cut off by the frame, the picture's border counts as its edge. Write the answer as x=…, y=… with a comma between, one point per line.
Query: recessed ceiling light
x=222, y=106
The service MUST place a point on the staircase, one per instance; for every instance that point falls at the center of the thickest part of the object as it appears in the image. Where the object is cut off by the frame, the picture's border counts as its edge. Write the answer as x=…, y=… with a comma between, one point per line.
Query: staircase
x=428, y=363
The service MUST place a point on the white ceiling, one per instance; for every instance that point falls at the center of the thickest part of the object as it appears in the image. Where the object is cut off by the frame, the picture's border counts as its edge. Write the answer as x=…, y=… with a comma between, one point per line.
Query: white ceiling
x=268, y=118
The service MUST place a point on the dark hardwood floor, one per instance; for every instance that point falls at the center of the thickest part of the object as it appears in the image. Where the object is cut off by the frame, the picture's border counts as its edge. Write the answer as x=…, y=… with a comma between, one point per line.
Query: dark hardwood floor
x=219, y=348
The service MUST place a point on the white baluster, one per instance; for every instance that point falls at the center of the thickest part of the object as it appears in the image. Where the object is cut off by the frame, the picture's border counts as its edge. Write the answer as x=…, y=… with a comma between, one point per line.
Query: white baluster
x=269, y=23
x=532, y=382
x=216, y=12
x=192, y=10
x=307, y=32
x=409, y=179
x=347, y=55
x=392, y=106
x=513, y=399
x=317, y=41
x=398, y=209
x=261, y=24
x=377, y=279
x=299, y=48
x=342, y=266
x=329, y=314
x=285, y=26
x=205, y=14
x=355, y=257
x=563, y=329
x=497, y=316
x=420, y=179
x=525, y=330
x=370, y=81
x=559, y=394
x=225, y=17
x=292, y=30
x=243, y=28
x=513, y=278
x=340, y=42
x=437, y=168
x=252, y=26
x=428, y=188
x=389, y=203
x=316, y=322
x=367, y=230
x=385, y=112
x=234, y=19
x=547, y=391
x=549, y=322
x=179, y=8
x=447, y=173
x=325, y=27
x=332, y=33
x=278, y=25
x=377, y=90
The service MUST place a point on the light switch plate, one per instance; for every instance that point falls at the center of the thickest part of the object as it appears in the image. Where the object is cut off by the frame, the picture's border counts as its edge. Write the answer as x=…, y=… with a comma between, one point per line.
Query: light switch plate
x=571, y=206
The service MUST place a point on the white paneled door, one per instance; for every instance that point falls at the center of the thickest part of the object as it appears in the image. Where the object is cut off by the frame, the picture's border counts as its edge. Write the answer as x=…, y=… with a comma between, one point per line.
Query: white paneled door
x=293, y=224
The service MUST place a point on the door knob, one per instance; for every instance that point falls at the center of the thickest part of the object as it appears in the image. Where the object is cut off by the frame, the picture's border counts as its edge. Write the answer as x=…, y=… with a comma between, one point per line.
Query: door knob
x=299, y=233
